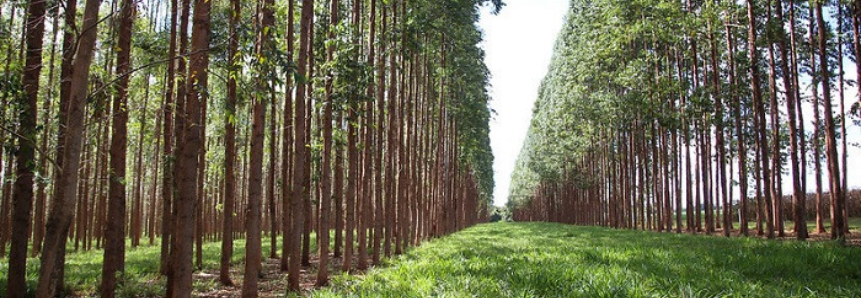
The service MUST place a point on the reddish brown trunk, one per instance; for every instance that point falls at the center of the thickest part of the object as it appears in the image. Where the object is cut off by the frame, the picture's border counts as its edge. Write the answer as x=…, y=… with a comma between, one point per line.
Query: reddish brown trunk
x=325, y=167
x=114, y=256
x=299, y=158
x=25, y=156
x=287, y=154
x=188, y=151
x=63, y=203
x=838, y=201
x=167, y=150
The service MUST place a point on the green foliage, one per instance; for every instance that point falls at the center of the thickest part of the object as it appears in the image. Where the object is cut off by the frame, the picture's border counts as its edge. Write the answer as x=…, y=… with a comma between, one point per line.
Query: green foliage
x=553, y=260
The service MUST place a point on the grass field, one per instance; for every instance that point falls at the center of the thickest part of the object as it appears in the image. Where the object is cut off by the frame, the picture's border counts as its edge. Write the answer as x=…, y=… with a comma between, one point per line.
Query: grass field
x=545, y=260
x=141, y=278
x=552, y=260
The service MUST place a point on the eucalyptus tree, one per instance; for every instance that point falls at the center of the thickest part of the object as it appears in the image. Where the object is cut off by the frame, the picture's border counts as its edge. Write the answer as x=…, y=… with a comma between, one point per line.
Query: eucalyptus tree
x=587, y=160
x=25, y=153
x=402, y=96
x=53, y=254
x=115, y=241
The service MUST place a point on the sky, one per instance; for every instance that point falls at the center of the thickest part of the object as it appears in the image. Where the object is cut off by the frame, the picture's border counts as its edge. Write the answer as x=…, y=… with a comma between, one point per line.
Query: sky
x=519, y=45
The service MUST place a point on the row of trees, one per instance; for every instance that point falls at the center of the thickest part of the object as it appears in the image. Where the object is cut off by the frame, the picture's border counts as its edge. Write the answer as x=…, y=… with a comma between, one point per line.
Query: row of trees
x=688, y=115
x=149, y=120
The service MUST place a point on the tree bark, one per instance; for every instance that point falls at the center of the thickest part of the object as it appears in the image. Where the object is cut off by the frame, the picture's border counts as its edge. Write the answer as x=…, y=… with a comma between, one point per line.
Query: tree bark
x=230, y=147
x=301, y=143
x=63, y=203
x=115, y=244
x=188, y=150
x=25, y=155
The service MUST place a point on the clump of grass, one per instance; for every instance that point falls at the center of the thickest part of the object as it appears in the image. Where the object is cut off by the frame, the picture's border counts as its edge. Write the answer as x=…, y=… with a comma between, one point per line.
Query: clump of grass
x=553, y=260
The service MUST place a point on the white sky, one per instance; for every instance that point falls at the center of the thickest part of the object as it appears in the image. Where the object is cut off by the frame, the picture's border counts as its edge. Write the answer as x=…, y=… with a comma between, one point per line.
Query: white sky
x=519, y=44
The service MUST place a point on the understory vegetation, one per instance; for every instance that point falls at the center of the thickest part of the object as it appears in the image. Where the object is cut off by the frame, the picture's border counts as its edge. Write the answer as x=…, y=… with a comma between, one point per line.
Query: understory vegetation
x=556, y=260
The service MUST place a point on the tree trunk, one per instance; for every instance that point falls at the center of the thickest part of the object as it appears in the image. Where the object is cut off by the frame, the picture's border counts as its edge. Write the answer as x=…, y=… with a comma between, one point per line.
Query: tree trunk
x=325, y=167
x=760, y=112
x=286, y=151
x=255, y=180
x=230, y=147
x=838, y=201
x=63, y=203
x=115, y=244
x=25, y=155
x=167, y=187
x=188, y=150
x=299, y=157
x=798, y=196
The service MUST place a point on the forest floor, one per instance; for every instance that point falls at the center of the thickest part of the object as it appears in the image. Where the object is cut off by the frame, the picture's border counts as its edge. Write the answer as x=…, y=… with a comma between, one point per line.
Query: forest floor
x=530, y=260
x=555, y=260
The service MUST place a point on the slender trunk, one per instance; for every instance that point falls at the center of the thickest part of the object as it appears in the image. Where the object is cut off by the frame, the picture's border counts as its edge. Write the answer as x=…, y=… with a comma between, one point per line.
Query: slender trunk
x=25, y=155
x=798, y=197
x=760, y=111
x=325, y=167
x=299, y=158
x=838, y=201
x=380, y=215
x=41, y=195
x=286, y=151
x=817, y=126
x=63, y=203
x=115, y=244
x=230, y=148
x=167, y=151
x=188, y=150
x=739, y=131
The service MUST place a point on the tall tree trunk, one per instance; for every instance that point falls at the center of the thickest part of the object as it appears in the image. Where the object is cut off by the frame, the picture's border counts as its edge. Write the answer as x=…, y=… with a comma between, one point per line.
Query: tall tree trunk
x=63, y=203
x=798, y=196
x=255, y=180
x=835, y=189
x=41, y=194
x=817, y=127
x=325, y=167
x=25, y=155
x=739, y=131
x=379, y=215
x=760, y=111
x=115, y=244
x=286, y=151
x=167, y=187
x=188, y=150
x=299, y=157
x=230, y=147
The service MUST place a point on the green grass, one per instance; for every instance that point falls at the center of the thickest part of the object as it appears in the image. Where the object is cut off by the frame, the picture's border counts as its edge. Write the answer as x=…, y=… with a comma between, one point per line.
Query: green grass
x=544, y=260
x=553, y=260
x=84, y=268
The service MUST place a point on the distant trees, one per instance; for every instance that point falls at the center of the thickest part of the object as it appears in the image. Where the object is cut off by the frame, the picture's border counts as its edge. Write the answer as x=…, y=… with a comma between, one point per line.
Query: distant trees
x=383, y=134
x=588, y=160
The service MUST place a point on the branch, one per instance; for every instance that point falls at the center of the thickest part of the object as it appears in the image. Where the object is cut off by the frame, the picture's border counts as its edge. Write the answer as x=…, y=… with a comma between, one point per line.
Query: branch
x=47, y=156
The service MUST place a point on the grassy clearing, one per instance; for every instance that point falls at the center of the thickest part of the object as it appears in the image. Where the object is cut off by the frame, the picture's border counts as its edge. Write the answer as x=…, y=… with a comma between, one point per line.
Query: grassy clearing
x=543, y=260
x=553, y=260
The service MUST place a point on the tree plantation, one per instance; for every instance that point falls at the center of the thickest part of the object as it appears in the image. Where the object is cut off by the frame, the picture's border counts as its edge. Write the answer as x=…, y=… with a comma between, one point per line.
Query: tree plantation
x=696, y=116
x=342, y=148
x=338, y=132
